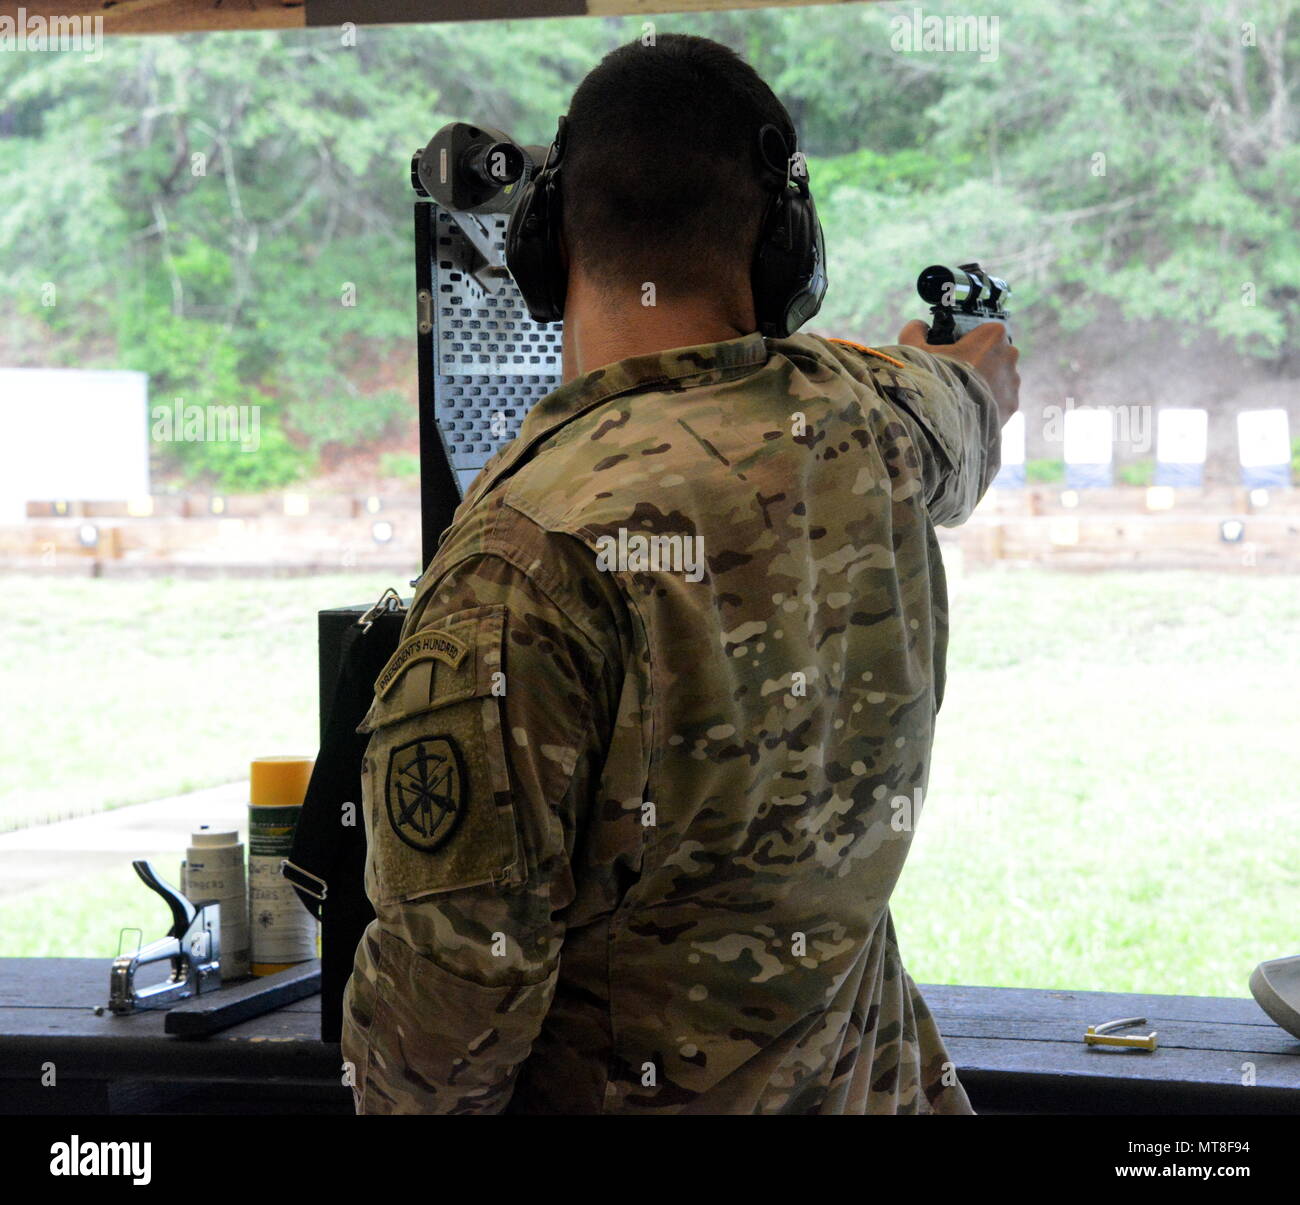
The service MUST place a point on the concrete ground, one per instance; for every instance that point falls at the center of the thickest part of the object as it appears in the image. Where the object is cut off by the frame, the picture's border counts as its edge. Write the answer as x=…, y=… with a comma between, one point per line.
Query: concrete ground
x=160, y=830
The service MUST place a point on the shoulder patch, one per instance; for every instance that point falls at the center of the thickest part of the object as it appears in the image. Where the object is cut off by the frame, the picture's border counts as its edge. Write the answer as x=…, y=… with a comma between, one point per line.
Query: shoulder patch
x=435, y=781
x=423, y=646
x=425, y=790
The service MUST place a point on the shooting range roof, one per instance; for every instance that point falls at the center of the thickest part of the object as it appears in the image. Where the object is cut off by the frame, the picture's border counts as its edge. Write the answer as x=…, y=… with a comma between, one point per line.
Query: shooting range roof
x=193, y=16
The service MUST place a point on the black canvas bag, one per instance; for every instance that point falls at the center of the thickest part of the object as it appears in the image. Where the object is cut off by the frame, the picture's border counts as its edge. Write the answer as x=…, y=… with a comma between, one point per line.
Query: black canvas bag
x=327, y=862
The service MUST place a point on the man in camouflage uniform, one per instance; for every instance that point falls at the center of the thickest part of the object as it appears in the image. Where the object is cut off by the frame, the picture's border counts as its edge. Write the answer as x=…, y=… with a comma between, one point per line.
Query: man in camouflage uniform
x=646, y=765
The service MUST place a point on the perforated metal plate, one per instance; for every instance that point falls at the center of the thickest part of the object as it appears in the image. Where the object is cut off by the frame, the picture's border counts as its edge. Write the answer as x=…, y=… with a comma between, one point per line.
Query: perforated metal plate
x=493, y=362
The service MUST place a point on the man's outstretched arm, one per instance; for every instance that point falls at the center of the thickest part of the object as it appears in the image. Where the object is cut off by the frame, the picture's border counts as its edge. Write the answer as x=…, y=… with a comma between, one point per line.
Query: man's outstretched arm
x=965, y=392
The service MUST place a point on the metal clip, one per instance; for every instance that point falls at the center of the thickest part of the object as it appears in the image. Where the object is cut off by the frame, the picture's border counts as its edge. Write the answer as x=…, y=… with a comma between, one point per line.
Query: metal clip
x=193, y=946
x=1104, y=1035
x=296, y=874
x=389, y=602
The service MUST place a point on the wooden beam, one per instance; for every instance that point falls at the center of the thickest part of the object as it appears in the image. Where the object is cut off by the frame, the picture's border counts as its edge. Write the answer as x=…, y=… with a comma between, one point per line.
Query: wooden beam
x=167, y=16
x=197, y=16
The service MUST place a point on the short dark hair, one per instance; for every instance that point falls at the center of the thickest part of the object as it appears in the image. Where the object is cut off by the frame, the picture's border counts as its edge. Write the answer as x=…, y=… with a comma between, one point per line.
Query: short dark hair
x=662, y=178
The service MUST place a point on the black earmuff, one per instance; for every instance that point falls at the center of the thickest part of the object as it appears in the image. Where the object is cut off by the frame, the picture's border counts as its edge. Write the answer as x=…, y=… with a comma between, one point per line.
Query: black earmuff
x=533, y=239
x=788, y=275
x=789, y=271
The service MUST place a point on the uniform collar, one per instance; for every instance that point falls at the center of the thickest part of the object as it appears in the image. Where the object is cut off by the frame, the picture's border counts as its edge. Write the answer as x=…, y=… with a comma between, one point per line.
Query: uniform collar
x=675, y=368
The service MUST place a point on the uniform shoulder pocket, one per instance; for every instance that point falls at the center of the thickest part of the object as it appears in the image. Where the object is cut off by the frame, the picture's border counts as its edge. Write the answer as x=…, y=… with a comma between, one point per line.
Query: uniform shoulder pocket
x=435, y=782
x=929, y=393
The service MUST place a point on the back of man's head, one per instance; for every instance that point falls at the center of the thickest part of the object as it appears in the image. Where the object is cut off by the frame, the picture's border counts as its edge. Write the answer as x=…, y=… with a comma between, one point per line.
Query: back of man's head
x=662, y=180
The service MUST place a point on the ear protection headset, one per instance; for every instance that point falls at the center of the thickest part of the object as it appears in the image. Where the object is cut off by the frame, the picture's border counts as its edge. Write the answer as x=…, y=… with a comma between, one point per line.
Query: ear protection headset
x=788, y=274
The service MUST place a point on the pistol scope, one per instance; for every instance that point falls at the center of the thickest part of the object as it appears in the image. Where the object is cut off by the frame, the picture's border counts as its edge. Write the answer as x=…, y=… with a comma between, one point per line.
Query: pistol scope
x=967, y=286
x=962, y=299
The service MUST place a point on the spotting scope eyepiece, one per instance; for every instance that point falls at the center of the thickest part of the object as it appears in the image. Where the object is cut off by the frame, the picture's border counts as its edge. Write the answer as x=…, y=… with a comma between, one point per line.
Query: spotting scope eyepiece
x=471, y=169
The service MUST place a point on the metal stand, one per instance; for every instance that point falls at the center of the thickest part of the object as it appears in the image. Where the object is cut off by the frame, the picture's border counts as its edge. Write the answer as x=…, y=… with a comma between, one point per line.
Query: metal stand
x=483, y=362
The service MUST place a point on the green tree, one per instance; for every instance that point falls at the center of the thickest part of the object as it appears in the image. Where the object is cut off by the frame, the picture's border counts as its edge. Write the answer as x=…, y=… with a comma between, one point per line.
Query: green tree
x=232, y=212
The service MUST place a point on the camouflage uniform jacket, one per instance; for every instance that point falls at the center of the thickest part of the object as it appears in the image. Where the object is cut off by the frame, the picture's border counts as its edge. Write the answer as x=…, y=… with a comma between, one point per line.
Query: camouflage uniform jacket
x=634, y=817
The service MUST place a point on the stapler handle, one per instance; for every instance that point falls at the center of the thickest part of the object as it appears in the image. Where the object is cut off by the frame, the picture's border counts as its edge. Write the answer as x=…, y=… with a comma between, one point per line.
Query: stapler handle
x=183, y=911
x=193, y=947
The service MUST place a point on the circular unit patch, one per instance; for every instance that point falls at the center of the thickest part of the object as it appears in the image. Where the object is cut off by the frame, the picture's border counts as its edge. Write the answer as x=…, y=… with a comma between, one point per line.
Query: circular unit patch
x=425, y=791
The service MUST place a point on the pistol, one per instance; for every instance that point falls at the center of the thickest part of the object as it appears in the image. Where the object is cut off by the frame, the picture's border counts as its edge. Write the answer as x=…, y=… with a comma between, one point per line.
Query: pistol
x=961, y=299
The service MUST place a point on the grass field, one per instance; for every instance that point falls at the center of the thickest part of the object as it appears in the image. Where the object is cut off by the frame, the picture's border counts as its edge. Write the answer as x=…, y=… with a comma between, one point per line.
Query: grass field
x=121, y=691
x=1112, y=806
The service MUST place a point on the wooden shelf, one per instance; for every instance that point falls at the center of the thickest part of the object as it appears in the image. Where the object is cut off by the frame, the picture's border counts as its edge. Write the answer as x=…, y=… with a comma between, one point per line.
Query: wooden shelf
x=1017, y=1050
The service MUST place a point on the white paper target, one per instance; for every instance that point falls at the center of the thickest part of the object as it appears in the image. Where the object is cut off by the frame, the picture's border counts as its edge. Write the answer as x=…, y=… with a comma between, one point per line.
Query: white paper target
x=1263, y=438
x=72, y=435
x=1088, y=437
x=1181, y=436
x=1013, y=440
